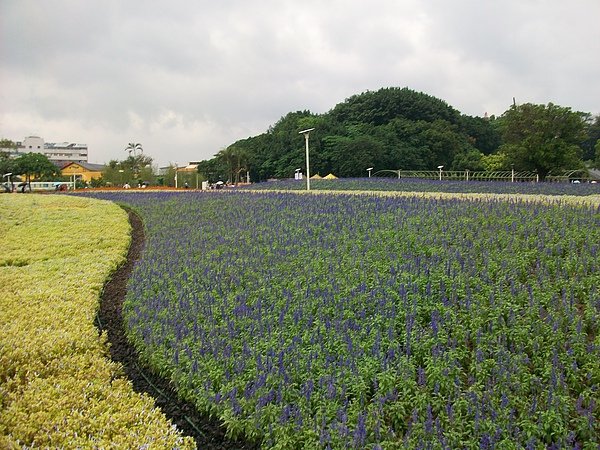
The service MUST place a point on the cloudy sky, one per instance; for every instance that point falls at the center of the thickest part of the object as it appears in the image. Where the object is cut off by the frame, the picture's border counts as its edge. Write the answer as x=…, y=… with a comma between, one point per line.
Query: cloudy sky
x=187, y=78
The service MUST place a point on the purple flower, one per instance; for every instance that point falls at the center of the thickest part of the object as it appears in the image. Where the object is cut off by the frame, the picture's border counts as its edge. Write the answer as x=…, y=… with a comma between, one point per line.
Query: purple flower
x=360, y=433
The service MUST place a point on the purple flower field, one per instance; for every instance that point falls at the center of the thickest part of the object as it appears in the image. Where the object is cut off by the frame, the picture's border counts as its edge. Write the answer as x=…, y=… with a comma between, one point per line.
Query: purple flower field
x=342, y=321
x=424, y=185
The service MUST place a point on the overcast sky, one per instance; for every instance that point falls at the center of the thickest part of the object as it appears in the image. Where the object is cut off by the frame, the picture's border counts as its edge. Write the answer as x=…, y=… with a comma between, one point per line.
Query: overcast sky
x=187, y=78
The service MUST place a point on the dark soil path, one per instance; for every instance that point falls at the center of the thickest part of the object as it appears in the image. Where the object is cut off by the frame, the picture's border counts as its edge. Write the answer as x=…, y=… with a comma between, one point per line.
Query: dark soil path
x=207, y=432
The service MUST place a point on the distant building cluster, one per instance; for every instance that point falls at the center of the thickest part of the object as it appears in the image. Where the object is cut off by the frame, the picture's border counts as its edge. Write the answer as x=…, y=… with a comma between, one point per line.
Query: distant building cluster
x=64, y=152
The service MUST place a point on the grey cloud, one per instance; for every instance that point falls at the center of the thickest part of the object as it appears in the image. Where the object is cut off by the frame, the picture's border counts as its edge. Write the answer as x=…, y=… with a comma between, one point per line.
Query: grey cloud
x=197, y=76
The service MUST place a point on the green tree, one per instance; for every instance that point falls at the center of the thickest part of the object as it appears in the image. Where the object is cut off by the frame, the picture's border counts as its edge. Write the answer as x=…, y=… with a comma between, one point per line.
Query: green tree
x=542, y=138
x=35, y=165
x=115, y=174
x=397, y=128
x=482, y=132
x=351, y=156
x=469, y=159
x=7, y=144
x=213, y=170
x=227, y=157
x=592, y=130
x=597, y=161
x=495, y=162
x=240, y=163
x=135, y=160
x=235, y=158
x=6, y=162
x=134, y=168
x=386, y=104
x=167, y=178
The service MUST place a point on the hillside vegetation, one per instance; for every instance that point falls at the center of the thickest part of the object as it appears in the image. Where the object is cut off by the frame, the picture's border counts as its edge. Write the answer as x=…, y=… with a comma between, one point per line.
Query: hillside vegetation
x=398, y=128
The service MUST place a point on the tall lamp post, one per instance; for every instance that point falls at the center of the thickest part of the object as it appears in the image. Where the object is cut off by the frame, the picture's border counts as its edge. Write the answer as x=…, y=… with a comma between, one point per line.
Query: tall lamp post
x=306, y=134
x=440, y=167
x=369, y=170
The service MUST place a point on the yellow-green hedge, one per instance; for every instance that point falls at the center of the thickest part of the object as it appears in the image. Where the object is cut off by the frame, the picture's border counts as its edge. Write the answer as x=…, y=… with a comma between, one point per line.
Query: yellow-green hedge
x=58, y=388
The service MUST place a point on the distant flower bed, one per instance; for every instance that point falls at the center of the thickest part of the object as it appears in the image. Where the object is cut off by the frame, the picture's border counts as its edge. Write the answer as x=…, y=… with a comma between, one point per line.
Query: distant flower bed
x=374, y=322
x=422, y=185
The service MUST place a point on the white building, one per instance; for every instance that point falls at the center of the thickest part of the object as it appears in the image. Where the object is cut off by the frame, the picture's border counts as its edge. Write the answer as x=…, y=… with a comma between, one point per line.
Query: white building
x=64, y=151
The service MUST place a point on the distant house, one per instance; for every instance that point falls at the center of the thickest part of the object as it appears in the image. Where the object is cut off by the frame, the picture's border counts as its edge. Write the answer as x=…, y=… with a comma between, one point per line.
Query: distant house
x=191, y=167
x=82, y=170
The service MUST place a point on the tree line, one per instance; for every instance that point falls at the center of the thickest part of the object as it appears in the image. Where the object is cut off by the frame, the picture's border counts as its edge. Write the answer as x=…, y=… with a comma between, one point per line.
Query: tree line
x=31, y=165
x=399, y=128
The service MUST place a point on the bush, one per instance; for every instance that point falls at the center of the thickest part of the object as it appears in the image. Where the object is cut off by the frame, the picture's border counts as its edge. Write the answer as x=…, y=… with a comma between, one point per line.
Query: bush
x=57, y=387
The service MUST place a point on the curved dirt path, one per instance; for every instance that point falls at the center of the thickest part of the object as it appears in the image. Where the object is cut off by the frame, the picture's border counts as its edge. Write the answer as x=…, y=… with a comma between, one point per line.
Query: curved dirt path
x=207, y=432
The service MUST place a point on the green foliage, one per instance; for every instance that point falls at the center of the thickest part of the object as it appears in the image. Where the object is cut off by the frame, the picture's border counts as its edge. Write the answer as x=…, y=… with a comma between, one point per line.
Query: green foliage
x=235, y=159
x=384, y=105
x=168, y=177
x=192, y=179
x=130, y=170
x=469, y=159
x=350, y=157
x=592, y=129
x=97, y=182
x=6, y=163
x=388, y=129
x=495, y=162
x=398, y=128
x=7, y=143
x=35, y=165
x=136, y=163
x=213, y=170
x=542, y=138
x=483, y=133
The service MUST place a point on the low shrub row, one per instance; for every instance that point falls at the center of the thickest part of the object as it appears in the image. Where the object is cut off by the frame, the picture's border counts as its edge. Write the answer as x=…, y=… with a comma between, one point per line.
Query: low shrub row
x=58, y=388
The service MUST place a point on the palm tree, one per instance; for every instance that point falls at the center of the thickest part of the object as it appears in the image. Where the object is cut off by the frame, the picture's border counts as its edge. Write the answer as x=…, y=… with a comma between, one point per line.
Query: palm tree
x=236, y=160
x=228, y=156
x=134, y=147
x=242, y=163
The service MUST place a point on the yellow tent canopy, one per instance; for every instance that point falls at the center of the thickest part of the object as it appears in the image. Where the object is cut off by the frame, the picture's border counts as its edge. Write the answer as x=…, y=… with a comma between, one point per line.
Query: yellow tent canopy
x=316, y=177
x=330, y=177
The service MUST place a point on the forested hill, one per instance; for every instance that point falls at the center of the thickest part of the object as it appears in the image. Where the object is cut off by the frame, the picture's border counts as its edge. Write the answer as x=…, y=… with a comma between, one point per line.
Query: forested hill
x=392, y=128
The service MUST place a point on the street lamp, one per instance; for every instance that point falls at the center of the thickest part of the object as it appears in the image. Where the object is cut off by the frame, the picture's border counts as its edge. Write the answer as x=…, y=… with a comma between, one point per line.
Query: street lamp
x=8, y=184
x=369, y=170
x=440, y=167
x=306, y=134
